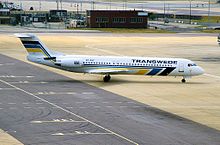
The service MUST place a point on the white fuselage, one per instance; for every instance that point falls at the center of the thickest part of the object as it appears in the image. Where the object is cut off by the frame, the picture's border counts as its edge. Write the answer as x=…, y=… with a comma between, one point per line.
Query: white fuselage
x=123, y=65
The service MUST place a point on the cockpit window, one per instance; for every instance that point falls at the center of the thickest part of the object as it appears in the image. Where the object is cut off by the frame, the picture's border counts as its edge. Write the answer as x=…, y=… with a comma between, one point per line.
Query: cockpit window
x=191, y=64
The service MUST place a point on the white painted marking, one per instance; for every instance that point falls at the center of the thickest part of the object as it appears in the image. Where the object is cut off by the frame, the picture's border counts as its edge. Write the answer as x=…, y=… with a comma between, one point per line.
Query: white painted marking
x=88, y=93
x=8, y=131
x=0, y=102
x=59, y=121
x=39, y=103
x=213, y=76
x=69, y=107
x=1, y=108
x=38, y=100
x=55, y=93
x=12, y=76
x=131, y=102
x=27, y=107
x=58, y=134
x=28, y=82
x=7, y=89
x=136, y=106
x=25, y=103
x=67, y=111
x=70, y=93
x=11, y=103
x=6, y=64
x=82, y=133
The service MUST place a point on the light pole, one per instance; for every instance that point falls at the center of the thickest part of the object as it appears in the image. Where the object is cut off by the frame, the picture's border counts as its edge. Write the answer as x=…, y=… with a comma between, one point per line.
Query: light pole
x=209, y=8
x=93, y=5
x=57, y=1
x=61, y=4
x=190, y=10
x=164, y=10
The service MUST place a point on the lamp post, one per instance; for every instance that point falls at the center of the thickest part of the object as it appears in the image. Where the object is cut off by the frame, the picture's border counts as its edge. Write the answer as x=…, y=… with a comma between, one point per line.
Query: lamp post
x=190, y=10
x=209, y=8
x=164, y=11
x=57, y=1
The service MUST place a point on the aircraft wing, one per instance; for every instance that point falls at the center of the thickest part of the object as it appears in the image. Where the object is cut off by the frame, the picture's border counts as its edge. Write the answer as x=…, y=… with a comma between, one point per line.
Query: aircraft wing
x=107, y=71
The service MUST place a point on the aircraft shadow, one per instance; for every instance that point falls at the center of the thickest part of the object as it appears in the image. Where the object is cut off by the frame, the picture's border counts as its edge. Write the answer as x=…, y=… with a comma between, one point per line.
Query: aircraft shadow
x=120, y=81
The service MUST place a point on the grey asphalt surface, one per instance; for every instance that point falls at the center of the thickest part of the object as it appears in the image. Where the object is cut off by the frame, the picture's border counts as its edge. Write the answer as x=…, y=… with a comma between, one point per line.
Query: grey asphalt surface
x=39, y=107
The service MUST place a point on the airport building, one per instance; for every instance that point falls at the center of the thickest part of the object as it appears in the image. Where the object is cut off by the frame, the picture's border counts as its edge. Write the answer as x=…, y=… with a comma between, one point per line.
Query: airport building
x=117, y=19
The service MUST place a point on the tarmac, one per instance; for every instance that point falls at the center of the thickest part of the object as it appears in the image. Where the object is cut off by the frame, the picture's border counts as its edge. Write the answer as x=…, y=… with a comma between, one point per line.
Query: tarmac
x=43, y=107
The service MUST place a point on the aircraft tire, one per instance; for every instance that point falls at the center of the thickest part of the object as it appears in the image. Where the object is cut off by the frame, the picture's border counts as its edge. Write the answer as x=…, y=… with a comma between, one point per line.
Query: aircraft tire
x=183, y=80
x=106, y=78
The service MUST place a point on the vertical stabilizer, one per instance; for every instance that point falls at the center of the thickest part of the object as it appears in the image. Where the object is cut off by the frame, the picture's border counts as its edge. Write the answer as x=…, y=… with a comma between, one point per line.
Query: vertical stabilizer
x=34, y=46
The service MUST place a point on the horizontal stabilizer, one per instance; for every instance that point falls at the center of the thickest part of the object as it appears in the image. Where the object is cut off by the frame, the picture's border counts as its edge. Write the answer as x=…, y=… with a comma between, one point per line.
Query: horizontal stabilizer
x=50, y=58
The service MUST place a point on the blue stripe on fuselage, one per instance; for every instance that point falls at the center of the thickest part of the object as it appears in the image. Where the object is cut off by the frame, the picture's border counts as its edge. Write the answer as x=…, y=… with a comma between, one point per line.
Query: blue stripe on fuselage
x=154, y=71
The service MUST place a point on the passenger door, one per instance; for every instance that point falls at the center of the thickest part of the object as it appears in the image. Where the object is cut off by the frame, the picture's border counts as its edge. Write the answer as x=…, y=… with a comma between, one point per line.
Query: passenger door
x=181, y=67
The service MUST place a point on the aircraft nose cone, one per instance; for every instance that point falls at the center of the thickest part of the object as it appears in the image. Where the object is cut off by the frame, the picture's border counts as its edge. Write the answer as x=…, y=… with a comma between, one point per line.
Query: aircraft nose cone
x=200, y=71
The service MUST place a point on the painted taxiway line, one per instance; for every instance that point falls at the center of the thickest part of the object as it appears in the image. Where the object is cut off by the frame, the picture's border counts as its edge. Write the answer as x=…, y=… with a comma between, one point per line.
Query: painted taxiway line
x=213, y=76
x=80, y=133
x=27, y=82
x=12, y=76
x=7, y=89
x=105, y=51
x=58, y=121
x=67, y=111
x=6, y=64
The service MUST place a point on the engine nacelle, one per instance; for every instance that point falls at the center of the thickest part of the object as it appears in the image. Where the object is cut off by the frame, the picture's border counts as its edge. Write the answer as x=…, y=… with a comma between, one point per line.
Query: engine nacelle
x=69, y=62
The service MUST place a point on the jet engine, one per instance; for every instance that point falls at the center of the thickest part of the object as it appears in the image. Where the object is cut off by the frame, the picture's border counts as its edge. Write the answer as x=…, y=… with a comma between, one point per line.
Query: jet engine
x=68, y=62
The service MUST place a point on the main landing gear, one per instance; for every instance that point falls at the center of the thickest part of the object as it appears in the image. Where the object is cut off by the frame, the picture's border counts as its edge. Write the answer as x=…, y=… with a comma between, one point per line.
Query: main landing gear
x=106, y=78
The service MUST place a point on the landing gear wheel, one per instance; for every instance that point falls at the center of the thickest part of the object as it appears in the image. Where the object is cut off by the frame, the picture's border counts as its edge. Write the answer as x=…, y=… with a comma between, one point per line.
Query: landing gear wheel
x=106, y=78
x=183, y=80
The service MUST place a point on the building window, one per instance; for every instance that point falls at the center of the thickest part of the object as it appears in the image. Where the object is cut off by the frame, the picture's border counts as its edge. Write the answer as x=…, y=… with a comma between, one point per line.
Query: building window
x=136, y=20
x=119, y=20
x=101, y=20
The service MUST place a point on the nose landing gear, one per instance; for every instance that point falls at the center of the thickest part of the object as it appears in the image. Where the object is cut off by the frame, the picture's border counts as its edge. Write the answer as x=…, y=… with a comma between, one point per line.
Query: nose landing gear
x=106, y=78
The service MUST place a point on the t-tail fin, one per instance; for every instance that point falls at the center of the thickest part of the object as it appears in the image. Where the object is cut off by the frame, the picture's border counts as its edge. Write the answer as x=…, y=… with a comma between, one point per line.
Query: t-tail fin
x=34, y=46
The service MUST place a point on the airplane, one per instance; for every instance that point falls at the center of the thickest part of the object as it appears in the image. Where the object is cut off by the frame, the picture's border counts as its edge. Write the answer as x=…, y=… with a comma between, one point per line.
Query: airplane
x=108, y=65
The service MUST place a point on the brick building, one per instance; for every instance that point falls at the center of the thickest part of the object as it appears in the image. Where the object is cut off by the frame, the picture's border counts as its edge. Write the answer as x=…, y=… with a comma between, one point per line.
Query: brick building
x=117, y=19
